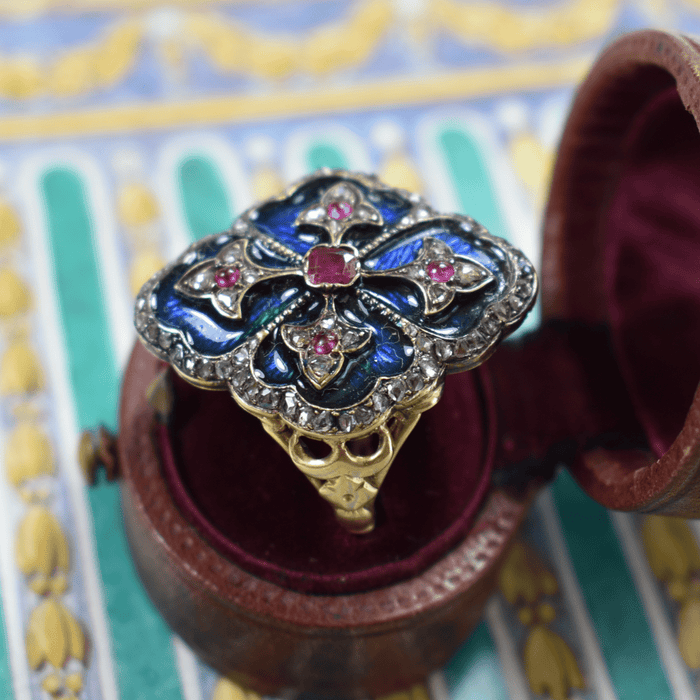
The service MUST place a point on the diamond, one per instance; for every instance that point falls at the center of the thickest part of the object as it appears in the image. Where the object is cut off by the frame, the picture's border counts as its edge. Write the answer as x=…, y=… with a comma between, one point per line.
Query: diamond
x=240, y=357
x=323, y=422
x=437, y=293
x=429, y=367
x=205, y=369
x=189, y=364
x=351, y=339
x=141, y=320
x=290, y=405
x=140, y=303
x=326, y=265
x=227, y=299
x=304, y=417
x=440, y=271
x=251, y=391
x=396, y=390
x=380, y=402
x=202, y=280
x=364, y=414
x=165, y=340
x=299, y=338
x=240, y=376
x=321, y=364
x=177, y=355
x=443, y=350
x=415, y=382
x=424, y=344
x=491, y=325
x=346, y=422
x=240, y=226
x=151, y=332
x=224, y=368
x=268, y=398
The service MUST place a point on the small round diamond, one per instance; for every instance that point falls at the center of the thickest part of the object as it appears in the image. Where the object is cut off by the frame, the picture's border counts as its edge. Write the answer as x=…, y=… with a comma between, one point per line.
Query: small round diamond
x=440, y=271
x=324, y=343
x=339, y=210
x=227, y=277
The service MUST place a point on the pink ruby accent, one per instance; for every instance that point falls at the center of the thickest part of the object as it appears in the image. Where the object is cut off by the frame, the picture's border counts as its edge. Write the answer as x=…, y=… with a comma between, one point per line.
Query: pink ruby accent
x=227, y=277
x=327, y=265
x=324, y=343
x=440, y=271
x=339, y=210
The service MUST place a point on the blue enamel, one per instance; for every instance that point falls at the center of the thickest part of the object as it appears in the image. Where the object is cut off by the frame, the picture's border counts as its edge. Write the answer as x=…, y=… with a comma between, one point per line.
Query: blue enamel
x=389, y=353
x=208, y=332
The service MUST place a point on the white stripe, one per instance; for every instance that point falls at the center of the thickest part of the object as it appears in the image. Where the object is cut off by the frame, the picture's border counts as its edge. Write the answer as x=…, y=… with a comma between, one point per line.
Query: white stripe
x=57, y=365
x=437, y=686
x=185, y=659
x=659, y=623
x=296, y=150
x=598, y=672
x=510, y=660
x=188, y=670
x=9, y=582
x=212, y=147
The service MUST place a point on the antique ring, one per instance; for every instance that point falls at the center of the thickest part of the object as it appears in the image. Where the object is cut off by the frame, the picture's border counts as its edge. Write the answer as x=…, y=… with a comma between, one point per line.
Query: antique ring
x=332, y=312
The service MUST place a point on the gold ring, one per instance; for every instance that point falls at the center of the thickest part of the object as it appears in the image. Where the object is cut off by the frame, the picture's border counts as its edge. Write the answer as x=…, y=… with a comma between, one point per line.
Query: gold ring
x=333, y=312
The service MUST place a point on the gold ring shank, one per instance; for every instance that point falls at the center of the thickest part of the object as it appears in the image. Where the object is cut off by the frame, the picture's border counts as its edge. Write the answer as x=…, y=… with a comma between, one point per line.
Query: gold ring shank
x=346, y=478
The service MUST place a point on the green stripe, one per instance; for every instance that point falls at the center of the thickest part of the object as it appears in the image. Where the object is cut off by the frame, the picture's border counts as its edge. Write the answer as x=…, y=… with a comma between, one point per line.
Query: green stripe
x=141, y=641
x=325, y=155
x=610, y=594
x=204, y=197
x=474, y=672
x=468, y=171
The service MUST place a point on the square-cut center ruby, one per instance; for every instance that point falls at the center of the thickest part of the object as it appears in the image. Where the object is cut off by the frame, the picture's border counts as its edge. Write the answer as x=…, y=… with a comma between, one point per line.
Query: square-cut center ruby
x=326, y=265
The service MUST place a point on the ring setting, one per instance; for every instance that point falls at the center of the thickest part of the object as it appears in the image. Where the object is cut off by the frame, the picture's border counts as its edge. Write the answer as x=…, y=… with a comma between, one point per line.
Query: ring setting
x=333, y=313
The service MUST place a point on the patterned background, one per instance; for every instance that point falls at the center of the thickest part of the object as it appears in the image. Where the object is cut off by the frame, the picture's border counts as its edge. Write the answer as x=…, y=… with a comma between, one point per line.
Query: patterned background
x=129, y=128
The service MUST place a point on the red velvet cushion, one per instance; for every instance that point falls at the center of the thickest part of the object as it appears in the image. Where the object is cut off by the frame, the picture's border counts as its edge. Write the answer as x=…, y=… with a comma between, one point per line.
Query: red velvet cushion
x=653, y=266
x=245, y=496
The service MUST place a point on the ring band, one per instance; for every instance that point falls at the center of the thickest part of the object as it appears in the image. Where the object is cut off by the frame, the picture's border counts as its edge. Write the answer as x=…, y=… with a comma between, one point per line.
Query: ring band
x=333, y=312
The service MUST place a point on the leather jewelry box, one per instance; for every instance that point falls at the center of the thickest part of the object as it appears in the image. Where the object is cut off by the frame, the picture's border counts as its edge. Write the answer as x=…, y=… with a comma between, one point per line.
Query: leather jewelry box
x=248, y=565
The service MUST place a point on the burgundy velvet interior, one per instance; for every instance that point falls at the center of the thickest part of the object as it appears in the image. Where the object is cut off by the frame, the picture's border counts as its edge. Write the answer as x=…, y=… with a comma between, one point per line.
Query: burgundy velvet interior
x=653, y=266
x=244, y=495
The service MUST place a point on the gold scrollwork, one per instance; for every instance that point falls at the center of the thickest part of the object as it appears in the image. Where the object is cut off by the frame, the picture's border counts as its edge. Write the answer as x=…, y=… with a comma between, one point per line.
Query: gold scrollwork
x=508, y=29
x=75, y=71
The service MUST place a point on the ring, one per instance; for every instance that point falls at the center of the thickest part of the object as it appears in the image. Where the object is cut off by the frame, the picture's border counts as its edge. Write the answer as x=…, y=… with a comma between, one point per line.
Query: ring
x=332, y=313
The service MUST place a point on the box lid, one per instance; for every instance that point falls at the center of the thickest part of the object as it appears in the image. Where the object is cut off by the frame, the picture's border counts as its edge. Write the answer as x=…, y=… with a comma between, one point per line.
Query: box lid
x=622, y=252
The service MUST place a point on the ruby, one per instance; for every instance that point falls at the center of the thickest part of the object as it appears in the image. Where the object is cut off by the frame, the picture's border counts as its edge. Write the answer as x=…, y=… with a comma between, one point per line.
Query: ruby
x=327, y=265
x=339, y=210
x=440, y=271
x=324, y=343
x=227, y=277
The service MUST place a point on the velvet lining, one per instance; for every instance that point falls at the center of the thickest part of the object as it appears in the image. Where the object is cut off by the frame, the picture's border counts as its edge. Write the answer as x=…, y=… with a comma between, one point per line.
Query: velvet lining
x=243, y=494
x=653, y=266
